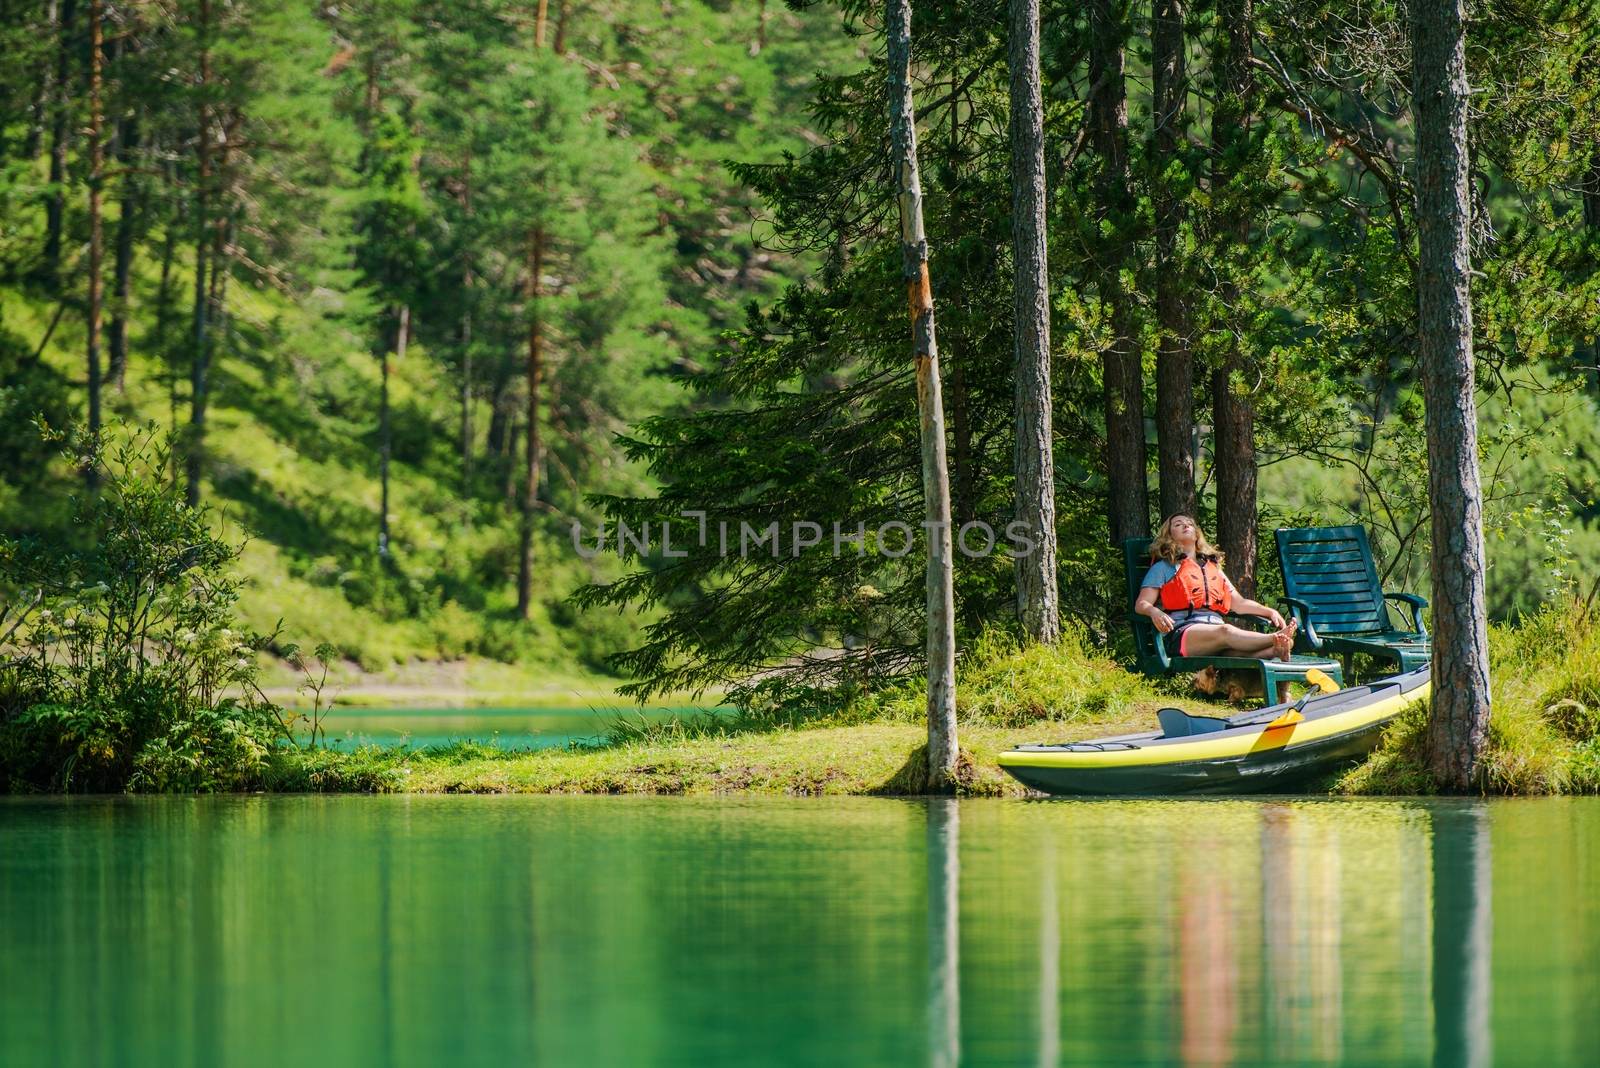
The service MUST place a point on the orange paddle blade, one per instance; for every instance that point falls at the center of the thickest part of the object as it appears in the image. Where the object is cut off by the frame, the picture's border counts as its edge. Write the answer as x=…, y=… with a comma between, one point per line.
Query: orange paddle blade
x=1321, y=681
x=1292, y=716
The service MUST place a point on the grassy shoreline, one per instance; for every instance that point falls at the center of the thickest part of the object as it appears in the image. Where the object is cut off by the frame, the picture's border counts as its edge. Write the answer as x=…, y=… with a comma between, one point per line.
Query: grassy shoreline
x=1544, y=734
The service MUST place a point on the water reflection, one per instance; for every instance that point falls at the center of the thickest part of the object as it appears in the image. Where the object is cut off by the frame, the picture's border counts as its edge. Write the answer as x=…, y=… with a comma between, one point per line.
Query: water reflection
x=944, y=933
x=1462, y=936
x=649, y=931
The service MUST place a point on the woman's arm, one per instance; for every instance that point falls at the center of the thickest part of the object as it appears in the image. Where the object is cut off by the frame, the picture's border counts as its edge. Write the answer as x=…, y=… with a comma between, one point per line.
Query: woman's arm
x=1146, y=606
x=1245, y=606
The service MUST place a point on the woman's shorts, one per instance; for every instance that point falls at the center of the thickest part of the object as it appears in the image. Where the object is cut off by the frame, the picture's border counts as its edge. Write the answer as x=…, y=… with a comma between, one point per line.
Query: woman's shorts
x=1174, y=637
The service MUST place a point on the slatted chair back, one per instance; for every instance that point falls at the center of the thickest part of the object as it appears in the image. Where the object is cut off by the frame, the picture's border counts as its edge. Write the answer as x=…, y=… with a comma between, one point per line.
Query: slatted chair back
x=1136, y=559
x=1332, y=570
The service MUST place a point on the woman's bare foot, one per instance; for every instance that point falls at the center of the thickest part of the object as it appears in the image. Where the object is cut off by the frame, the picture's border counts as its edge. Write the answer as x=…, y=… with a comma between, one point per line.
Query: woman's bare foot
x=1283, y=641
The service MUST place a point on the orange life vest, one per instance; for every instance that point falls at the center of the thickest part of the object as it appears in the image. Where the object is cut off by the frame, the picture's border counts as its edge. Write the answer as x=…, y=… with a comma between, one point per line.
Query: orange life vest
x=1197, y=586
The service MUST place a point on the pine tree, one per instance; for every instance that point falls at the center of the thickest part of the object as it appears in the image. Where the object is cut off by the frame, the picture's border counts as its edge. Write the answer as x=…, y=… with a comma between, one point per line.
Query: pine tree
x=1232, y=381
x=1459, y=726
x=1175, y=426
x=1127, y=495
x=941, y=645
x=1037, y=599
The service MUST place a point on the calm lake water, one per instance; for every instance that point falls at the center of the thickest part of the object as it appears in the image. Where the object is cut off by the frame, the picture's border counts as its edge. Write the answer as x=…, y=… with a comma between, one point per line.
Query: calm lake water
x=622, y=931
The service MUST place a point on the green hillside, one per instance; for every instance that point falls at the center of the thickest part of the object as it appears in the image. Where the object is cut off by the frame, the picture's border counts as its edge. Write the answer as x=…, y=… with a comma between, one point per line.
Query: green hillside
x=659, y=258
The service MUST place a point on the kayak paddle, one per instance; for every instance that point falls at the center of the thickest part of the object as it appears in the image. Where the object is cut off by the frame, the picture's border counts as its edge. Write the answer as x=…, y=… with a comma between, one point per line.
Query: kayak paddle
x=1295, y=714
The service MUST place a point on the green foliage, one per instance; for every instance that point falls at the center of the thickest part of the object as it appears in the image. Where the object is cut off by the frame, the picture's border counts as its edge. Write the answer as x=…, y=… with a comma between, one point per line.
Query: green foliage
x=1544, y=725
x=125, y=666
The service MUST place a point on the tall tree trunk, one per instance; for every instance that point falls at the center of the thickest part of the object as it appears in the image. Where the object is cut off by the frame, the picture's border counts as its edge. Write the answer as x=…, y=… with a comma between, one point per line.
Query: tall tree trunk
x=530, y=495
x=1174, y=357
x=169, y=248
x=925, y=353
x=133, y=198
x=194, y=461
x=1232, y=384
x=402, y=334
x=43, y=88
x=465, y=328
x=1591, y=219
x=1034, y=457
x=96, y=173
x=1128, y=502
x=539, y=21
x=55, y=208
x=1459, y=725
x=560, y=45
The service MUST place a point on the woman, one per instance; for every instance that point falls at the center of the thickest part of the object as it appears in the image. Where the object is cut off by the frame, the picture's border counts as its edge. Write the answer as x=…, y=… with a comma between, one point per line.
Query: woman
x=1185, y=595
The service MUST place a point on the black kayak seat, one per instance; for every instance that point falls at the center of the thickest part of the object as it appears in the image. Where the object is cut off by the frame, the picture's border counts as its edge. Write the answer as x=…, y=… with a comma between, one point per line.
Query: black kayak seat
x=1176, y=723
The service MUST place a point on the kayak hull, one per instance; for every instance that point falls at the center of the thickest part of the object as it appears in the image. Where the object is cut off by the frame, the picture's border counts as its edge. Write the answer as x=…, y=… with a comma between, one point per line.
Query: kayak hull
x=1248, y=756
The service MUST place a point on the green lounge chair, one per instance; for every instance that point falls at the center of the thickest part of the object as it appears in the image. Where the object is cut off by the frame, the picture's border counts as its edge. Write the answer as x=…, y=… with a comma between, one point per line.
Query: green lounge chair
x=1332, y=588
x=1154, y=659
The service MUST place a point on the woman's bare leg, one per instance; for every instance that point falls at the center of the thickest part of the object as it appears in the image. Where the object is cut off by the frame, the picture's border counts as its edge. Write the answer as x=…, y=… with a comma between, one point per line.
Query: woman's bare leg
x=1225, y=639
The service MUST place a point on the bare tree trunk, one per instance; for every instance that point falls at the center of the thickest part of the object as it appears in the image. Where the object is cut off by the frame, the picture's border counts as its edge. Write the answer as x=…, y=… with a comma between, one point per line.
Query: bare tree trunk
x=1459, y=725
x=1233, y=383
x=1591, y=219
x=559, y=47
x=194, y=461
x=530, y=496
x=402, y=334
x=942, y=751
x=761, y=28
x=1174, y=357
x=169, y=250
x=133, y=198
x=39, y=105
x=539, y=21
x=1128, y=502
x=1038, y=603
x=55, y=208
x=96, y=173
x=465, y=329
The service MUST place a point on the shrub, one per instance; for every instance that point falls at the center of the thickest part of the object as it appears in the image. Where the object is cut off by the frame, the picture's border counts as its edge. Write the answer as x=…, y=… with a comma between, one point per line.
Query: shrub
x=124, y=665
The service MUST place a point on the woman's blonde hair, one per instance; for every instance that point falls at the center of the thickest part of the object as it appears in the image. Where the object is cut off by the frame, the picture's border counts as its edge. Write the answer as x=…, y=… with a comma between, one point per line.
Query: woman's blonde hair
x=1164, y=547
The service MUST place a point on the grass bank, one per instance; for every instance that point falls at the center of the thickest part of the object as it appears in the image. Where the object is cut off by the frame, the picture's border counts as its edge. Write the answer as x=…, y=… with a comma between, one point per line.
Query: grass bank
x=1544, y=734
x=1544, y=727
x=868, y=744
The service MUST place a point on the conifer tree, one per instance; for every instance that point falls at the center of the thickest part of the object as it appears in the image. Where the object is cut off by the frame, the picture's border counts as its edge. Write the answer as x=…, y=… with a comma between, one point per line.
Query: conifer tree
x=1037, y=599
x=1459, y=726
x=941, y=643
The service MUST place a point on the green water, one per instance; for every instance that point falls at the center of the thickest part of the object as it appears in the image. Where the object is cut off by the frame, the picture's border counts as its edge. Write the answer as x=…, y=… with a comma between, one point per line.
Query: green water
x=619, y=931
x=509, y=728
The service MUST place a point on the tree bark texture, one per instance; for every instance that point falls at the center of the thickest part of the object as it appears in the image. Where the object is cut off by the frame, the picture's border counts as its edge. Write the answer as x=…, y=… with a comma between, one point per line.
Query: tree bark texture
x=1174, y=354
x=1233, y=379
x=1459, y=725
x=194, y=458
x=133, y=198
x=530, y=493
x=1038, y=604
x=55, y=207
x=930, y=405
x=43, y=90
x=96, y=231
x=402, y=334
x=1128, y=502
x=465, y=328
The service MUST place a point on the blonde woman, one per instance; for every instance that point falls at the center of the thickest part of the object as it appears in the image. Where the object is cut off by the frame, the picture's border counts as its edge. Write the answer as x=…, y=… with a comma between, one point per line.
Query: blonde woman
x=1185, y=596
